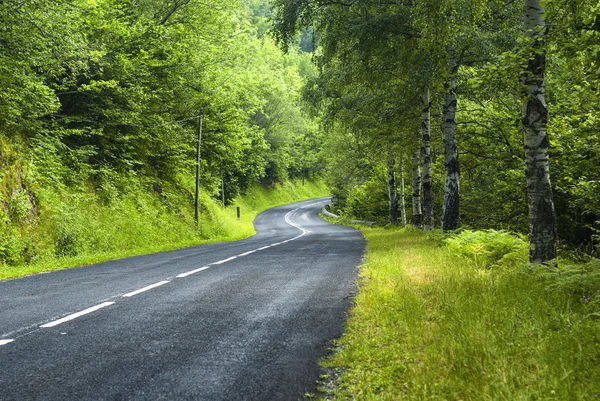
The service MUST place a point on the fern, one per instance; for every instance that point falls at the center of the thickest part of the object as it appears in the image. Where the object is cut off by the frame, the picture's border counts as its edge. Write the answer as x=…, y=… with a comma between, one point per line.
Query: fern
x=489, y=248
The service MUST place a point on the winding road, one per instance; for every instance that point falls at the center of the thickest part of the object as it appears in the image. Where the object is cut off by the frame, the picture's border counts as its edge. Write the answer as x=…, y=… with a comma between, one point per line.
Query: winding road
x=246, y=320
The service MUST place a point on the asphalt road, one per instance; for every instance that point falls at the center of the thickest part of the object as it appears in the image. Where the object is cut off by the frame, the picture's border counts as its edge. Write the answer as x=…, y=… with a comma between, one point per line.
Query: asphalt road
x=232, y=321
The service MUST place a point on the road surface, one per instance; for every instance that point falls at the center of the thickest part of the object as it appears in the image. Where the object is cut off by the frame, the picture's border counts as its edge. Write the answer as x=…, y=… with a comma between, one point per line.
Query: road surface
x=232, y=321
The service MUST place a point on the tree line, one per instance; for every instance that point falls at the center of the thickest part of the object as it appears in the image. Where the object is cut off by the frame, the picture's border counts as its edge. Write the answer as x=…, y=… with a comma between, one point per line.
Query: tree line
x=102, y=97
x=485, y=100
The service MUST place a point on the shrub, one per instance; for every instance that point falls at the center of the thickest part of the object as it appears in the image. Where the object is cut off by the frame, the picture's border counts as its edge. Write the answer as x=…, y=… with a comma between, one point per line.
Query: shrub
x=489, y=248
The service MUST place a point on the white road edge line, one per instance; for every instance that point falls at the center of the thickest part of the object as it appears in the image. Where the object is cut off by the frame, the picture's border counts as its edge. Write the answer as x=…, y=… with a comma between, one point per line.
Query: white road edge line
x=131, y=294
x=182, y=275
x=76, y=315
x=7, y=341
x=287, y=220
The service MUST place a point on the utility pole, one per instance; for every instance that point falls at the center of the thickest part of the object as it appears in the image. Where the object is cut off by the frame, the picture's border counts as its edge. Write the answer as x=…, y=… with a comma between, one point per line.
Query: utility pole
x=197, y=201
x=222, y=187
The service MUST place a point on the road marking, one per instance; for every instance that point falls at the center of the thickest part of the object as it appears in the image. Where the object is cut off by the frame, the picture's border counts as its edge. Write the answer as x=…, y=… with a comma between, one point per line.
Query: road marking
x=131, y=294
x=146, y=289
x=287, y=220
x=220, y=262
x=76, y=315
x=182, y=275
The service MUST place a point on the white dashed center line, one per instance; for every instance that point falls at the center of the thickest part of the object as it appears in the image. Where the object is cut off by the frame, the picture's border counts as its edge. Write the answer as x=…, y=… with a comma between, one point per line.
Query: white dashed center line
x=145, y=289
x=182, y=275
x=76, y=315
x=220, y=262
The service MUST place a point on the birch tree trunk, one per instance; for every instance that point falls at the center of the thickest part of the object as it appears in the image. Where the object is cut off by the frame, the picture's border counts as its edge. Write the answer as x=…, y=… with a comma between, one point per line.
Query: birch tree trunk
x=450, y=208
x=542, y=218
x=426, y=153
x=417, y=216
x=392, y=191
x=402, y=193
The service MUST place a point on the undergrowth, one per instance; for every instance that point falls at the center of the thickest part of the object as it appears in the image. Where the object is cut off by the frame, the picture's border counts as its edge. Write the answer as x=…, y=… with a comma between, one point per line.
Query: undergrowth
x=428, y=324
x=489, y=248
x=65, y=226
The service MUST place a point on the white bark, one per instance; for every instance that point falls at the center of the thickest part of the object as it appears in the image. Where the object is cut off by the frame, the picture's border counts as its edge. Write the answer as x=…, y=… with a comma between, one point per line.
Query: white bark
x=392, y=190
x=417, y=216
x=542, y=218
x=450, y=207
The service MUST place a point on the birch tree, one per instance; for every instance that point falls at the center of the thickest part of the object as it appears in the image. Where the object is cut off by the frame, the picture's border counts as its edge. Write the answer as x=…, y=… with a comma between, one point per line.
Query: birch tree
x=417, y=213
x=402, y=193
x=392, y=189
x=450, y=208
x=542, y=219
x=426, y=155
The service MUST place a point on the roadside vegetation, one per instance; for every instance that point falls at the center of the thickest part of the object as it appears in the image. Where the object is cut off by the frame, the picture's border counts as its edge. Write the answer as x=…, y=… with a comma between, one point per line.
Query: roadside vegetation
x=89, y=231
x=100, y=105
x=452, y=319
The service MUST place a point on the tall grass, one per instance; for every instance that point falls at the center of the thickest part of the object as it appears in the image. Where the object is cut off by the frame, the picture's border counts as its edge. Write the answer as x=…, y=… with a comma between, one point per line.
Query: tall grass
x=76, y=228
x=428, y=324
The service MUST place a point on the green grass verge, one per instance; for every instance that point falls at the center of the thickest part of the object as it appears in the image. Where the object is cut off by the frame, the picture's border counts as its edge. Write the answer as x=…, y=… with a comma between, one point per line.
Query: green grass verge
x=93, y=232
x=430, y=325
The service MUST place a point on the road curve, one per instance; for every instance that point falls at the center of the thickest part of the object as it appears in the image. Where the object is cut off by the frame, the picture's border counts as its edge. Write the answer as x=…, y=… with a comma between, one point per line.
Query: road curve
x=232, y=321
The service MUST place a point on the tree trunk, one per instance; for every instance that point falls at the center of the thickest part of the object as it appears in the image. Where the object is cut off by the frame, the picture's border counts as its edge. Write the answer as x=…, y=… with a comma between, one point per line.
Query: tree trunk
x=392, y=191
x=542, y=218
x=426, y=152
x=417, y=216
x=450, y=208
x=402, y=199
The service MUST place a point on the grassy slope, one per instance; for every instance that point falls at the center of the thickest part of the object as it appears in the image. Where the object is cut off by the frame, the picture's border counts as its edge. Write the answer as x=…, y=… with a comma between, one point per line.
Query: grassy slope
x=428, y=325
x=140, y=224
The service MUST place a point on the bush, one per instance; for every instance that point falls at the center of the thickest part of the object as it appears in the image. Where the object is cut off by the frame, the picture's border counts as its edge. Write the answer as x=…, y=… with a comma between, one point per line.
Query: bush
x=490, y=248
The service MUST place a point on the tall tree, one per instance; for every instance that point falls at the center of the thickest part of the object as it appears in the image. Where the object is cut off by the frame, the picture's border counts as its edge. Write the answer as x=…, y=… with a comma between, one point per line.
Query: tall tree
x=542, y=219
x=392, y=189
x=428, y=221
x=417, y=213
x=402, y=193
x=450, y=208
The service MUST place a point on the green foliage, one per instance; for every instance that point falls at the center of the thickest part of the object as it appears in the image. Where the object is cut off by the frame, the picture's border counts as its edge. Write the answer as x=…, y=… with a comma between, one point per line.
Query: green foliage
x=580, y=282
x=425, y=325
x=79, y=227
x=374, y=59
x=489, y=248
x=99, y=113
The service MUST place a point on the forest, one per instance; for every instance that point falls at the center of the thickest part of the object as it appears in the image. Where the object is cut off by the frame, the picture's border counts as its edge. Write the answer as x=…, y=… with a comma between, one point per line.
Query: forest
x=99, y=120
x=467, y=130
x=464, y=114
x=487, y=110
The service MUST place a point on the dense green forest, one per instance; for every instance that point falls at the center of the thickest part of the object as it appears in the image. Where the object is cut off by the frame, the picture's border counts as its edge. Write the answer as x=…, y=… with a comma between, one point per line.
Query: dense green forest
x=463, y=114
x=99, y=118
x=486, y=109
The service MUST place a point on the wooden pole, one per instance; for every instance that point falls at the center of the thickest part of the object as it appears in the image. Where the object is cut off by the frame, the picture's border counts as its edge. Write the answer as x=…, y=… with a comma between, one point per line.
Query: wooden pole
x=197, y=201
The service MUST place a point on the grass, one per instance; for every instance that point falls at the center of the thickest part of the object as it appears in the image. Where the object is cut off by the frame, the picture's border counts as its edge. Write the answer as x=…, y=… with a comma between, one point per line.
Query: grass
x=85, y=231
x=428, y=324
